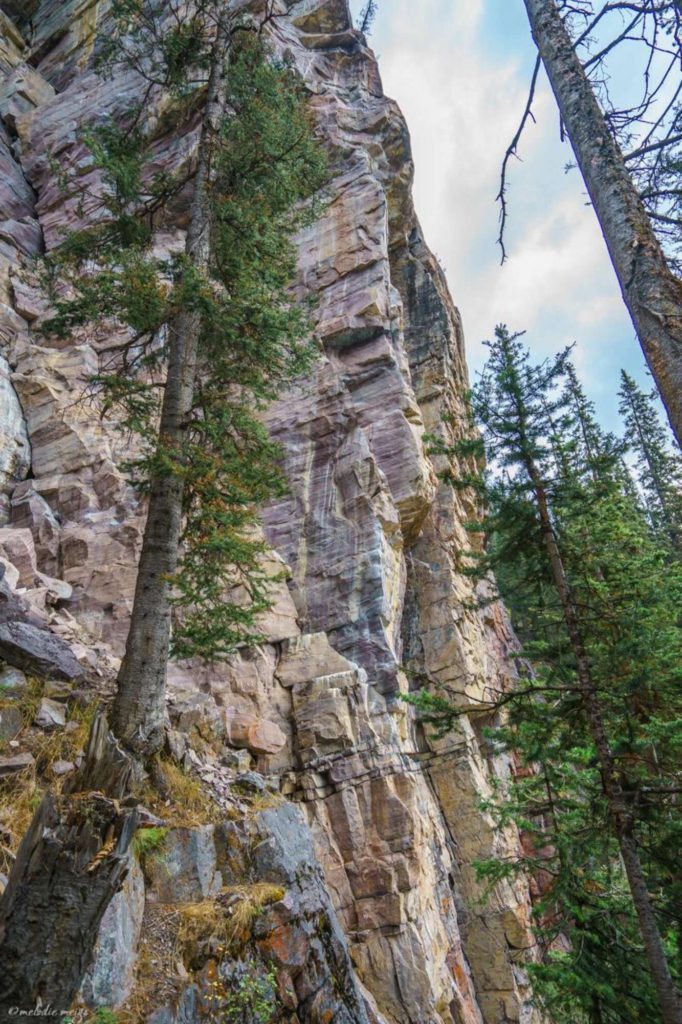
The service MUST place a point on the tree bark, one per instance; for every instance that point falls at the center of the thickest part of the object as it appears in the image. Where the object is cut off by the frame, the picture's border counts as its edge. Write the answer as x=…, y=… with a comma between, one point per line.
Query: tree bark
x=107, y=768
x=671, y=1008
x=651, y=292
x=138, y=709
x=70, y=864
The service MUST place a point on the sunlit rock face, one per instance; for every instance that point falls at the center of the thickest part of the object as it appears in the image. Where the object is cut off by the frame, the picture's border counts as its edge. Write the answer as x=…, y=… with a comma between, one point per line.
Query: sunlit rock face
x=374, y=602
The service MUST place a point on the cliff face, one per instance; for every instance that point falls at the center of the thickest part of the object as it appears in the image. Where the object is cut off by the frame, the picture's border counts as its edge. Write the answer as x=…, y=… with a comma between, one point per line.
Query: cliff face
x=386, y=820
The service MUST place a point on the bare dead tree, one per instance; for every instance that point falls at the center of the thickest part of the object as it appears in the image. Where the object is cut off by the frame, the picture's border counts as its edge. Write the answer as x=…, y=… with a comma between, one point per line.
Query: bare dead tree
x=628, y=147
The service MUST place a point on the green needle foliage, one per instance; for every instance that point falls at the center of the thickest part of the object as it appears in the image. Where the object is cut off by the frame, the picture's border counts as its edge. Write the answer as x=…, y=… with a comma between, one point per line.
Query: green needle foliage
x=550, y=469
x=255, y=336
x=658, y=461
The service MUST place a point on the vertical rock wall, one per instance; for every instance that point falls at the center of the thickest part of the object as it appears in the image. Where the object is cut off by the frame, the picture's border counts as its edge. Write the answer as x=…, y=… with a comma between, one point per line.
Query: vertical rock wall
x=375, y=602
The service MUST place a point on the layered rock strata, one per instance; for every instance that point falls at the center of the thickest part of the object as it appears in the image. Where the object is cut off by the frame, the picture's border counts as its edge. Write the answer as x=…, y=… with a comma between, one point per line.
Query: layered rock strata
x=375, y=602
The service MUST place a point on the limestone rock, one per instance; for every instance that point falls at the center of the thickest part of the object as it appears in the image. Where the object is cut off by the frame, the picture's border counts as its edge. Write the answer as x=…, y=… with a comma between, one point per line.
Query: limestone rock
x=18, y=548
x=30, y=510
x=12, y=682
x=20, y=9
x=11, y=722
x=35, y=650
x=307, y=657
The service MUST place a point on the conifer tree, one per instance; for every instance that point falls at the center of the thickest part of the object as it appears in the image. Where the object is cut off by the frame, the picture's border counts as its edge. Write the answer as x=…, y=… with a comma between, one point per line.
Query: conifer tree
x=595, y=451
x=367, y=16
x=214, y=330
x=659, y=465
x=597, y=606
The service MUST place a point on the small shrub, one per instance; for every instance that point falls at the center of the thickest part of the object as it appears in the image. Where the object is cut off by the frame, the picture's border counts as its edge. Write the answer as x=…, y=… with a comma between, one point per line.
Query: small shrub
x=246, y=996
x=148, y=841
x=103, y=1016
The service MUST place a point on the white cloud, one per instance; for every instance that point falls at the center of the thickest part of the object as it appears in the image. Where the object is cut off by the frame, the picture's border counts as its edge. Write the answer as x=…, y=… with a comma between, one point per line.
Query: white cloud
x=462, y=93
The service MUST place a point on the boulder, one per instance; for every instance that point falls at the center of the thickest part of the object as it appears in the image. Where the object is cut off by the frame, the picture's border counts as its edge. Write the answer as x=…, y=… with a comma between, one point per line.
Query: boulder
x=57, y=592
x=12, y=682
x=256, y=734
x=37, y=651
x=50, y=715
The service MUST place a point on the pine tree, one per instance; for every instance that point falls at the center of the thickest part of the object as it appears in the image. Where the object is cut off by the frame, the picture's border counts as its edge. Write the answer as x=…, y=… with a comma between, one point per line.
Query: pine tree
x=596, y=603
x=367, y=16
x=659, y=466
x=595, y=451
x=215, y=330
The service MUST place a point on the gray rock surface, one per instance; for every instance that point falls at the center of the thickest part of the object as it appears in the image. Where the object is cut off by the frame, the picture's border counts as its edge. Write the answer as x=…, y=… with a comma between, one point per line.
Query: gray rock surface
x=36, y=651
x=184, y=869
x=111, y=978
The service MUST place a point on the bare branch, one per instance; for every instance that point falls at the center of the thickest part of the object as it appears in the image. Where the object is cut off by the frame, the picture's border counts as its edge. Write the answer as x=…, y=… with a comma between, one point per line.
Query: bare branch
x=512, y=151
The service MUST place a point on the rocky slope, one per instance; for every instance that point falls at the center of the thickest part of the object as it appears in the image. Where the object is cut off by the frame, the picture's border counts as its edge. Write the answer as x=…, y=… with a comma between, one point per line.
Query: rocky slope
x=374, y=846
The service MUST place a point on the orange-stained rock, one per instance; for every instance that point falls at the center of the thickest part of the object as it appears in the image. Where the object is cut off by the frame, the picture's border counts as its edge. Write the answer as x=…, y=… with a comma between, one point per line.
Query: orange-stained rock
x=257, y=734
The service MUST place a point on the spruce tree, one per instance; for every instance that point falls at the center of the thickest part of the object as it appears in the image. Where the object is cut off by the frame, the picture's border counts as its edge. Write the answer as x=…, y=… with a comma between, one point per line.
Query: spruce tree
x=209, y=335
x=659, y=464
x=596, y=724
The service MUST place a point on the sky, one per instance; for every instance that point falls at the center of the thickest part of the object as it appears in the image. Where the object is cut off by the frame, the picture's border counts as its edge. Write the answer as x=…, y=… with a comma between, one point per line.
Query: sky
x=460, y=71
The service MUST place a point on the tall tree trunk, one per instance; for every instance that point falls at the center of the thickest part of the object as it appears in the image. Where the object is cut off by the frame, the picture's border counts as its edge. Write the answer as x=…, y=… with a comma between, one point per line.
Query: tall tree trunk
x=652, y=293
x=138, y=710
x=671, y=1008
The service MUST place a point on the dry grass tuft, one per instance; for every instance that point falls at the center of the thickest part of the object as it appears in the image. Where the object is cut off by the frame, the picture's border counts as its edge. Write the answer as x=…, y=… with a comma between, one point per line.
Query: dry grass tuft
x=213, y=927
x=264, y=801
x=60, y=745
x=205, y=929
x=28, y=700
x=180, y=796
x=251, y=903
x=21, y=793
x=19, y=797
